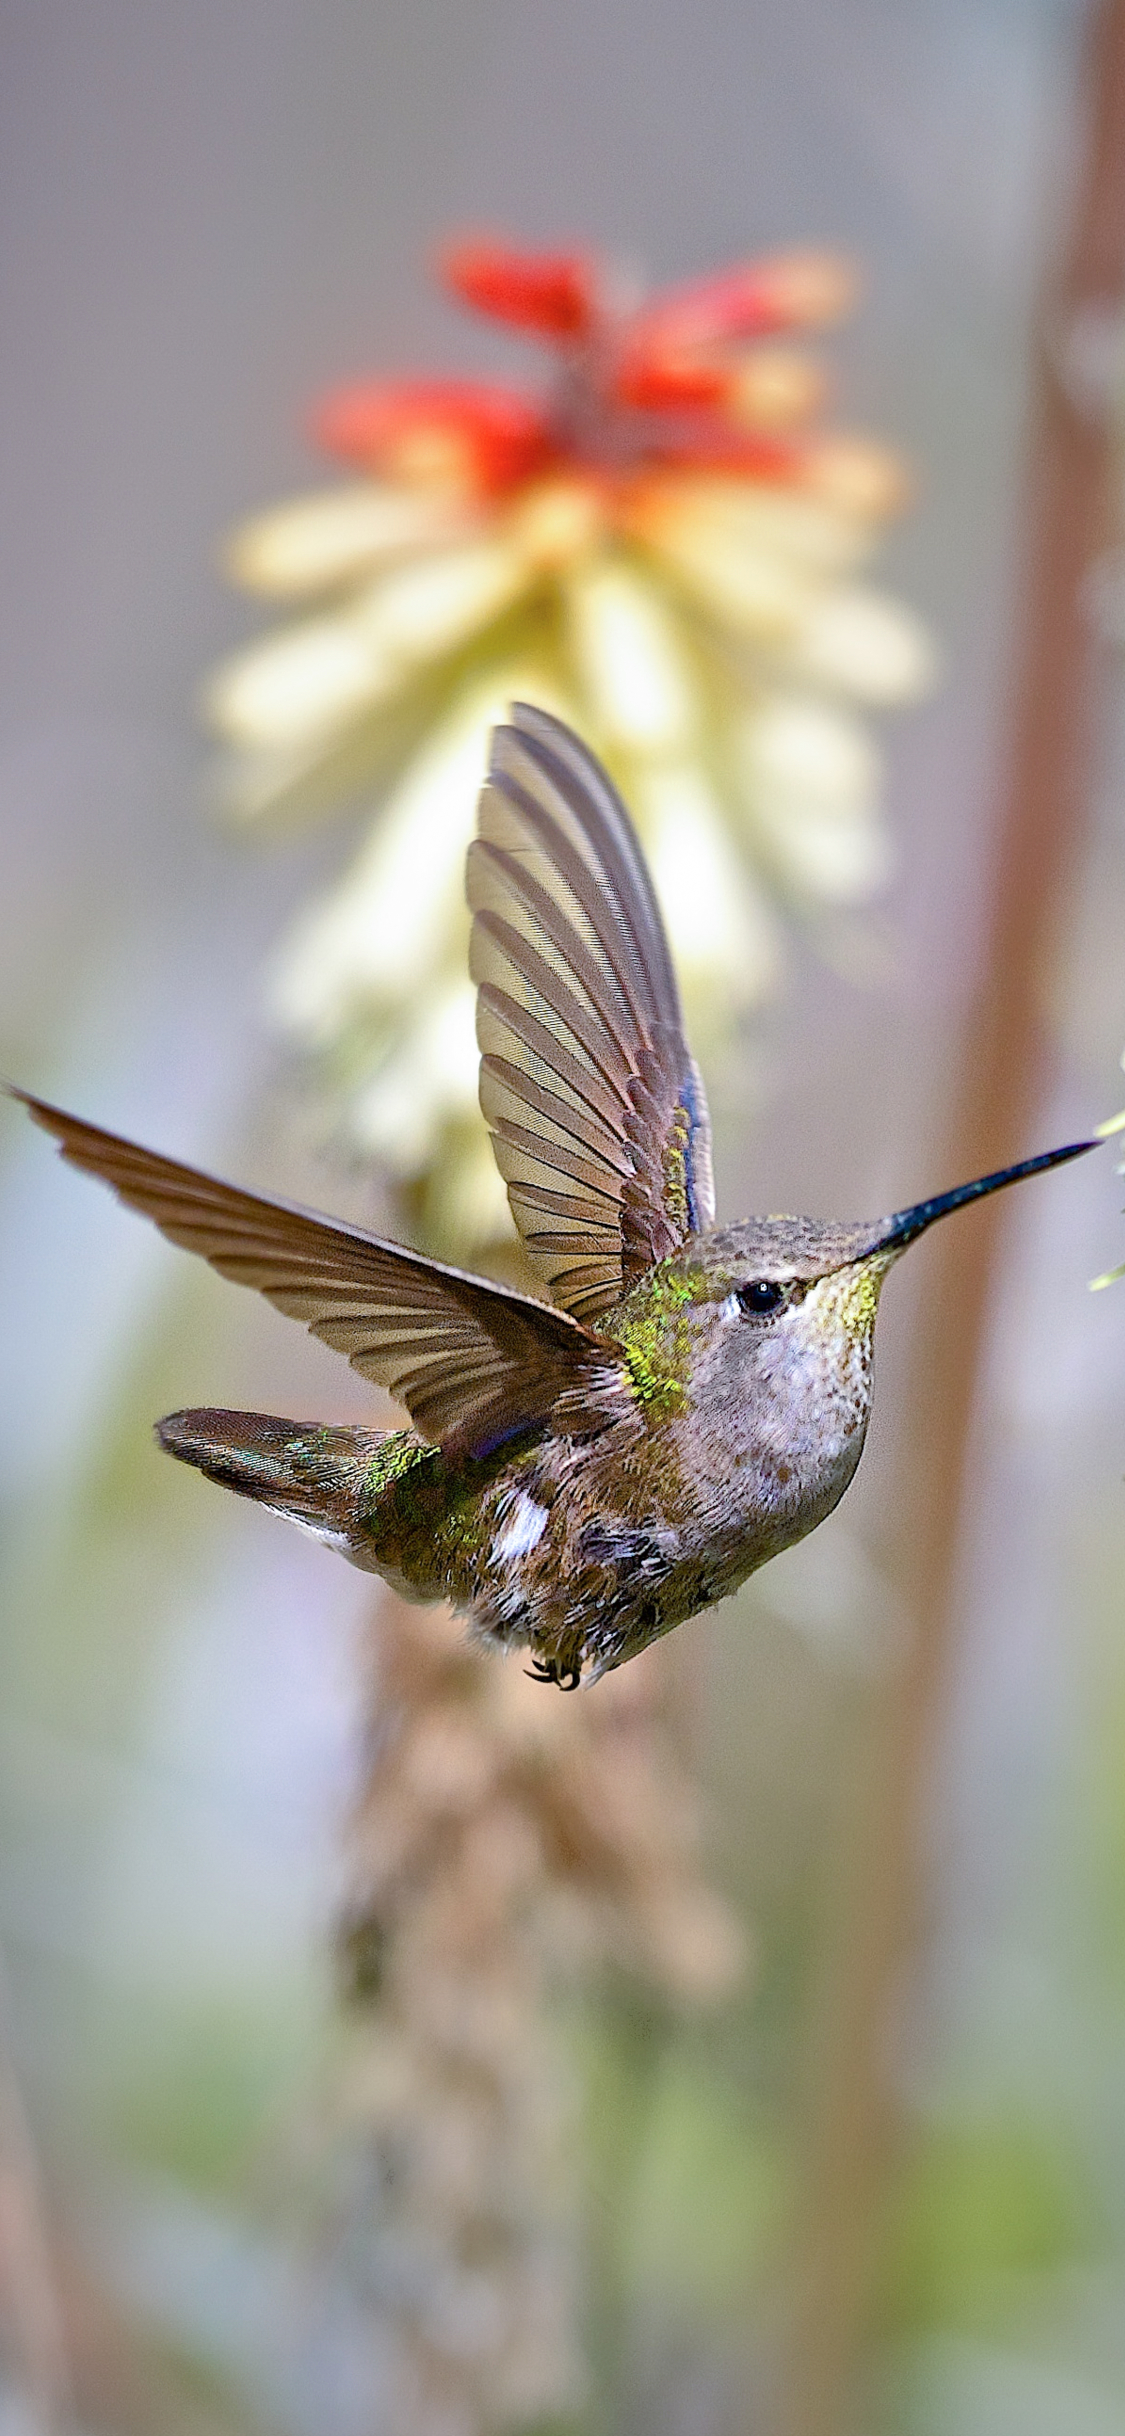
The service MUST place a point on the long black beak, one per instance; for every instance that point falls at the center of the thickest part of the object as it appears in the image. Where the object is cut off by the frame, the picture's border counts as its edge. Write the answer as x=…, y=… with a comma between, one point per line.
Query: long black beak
x=902, y=1228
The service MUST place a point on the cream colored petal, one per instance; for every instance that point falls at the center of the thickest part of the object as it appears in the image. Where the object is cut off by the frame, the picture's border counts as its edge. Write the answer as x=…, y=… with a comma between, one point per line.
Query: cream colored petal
x=842, y=861
x=809, y=779
x=797, y=752
x=308, y=782
x=429, y=1079
x=776, y=386
x=310, y=680
x=424, y=610
x=248, y=787
x=757, y=561
x=810, y=285
x=381, y=934
x=399, y=915
x=757, y=593
x=555, y=523
x=694, y=511
x=466, y=1197
x=722, y=935
x=858, y=476
x=866, y=644
x=333, y=537
x=632, y=665
x=299, y=685
x=390, y=1122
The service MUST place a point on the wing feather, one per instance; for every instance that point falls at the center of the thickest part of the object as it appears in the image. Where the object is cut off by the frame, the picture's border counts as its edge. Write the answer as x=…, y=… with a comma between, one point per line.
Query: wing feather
x=596, y=1106
x=472, y=1362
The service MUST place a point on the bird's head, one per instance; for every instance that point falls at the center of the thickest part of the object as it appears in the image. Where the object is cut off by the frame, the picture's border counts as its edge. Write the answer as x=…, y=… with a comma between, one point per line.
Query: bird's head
x=767, y=1326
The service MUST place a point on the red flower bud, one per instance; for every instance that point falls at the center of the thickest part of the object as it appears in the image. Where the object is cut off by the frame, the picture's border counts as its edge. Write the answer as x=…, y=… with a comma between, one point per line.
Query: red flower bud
x=712, y=447
x=552, y=294
x=755, y=300
x=477, y=435
x=665, y=383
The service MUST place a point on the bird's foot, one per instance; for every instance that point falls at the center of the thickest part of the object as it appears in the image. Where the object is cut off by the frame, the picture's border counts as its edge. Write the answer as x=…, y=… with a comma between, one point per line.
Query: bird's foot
x=547, y=1670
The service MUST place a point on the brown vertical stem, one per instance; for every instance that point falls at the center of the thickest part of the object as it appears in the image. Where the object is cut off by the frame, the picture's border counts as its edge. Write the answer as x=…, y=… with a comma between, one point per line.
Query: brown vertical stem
x=29, y=2305
x=1003, y=1067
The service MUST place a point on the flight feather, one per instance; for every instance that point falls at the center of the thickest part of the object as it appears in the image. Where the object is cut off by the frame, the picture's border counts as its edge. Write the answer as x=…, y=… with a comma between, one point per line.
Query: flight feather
x=595, y=1103
x=472, y=1362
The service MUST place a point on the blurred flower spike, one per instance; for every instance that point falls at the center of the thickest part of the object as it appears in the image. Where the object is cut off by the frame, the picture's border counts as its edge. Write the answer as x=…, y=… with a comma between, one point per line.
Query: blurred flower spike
x=663, y=543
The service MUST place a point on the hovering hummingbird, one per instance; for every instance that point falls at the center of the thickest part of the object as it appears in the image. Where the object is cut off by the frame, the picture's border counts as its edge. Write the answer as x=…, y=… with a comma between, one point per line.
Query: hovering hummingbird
x=583, y=1474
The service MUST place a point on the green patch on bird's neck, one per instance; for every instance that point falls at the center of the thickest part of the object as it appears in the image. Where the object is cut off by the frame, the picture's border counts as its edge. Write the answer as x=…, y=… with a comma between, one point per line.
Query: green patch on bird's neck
x=652, y=1331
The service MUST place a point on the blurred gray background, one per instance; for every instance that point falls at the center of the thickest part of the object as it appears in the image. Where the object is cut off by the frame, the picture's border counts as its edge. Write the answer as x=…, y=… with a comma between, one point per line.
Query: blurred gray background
x=207, y=214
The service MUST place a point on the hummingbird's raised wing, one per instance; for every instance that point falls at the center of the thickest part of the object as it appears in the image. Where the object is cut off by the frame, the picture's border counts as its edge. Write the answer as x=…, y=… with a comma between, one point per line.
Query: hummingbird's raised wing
x=597, y=1110
x=472, y=1362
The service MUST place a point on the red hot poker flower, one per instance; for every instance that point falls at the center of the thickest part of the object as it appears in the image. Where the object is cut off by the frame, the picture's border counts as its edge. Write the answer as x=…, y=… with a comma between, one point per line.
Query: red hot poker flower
x=667, y=385
x=661, y=541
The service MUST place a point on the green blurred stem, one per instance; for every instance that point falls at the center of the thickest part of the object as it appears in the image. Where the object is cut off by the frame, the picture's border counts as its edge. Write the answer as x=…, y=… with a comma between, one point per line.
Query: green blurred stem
x=853, y=2128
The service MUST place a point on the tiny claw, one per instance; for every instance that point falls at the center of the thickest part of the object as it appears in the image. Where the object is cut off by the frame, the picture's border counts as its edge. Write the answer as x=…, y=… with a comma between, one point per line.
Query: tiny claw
x=546, y=1670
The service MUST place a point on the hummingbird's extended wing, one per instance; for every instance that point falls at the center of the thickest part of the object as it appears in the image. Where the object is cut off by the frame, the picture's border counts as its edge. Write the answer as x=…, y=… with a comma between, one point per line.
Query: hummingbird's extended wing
x=472, y=1362
x=598, y=1115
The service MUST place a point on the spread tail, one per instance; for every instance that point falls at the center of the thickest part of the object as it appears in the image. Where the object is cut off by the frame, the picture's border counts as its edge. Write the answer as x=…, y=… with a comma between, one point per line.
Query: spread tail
x=318, y=1477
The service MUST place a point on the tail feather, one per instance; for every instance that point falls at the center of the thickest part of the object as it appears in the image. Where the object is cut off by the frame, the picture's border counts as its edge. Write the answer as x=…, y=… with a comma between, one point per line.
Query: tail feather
x=316, y=1476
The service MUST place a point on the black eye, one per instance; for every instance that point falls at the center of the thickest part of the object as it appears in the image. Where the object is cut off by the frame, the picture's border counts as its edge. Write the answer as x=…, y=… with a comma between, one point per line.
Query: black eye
x=761, y=1295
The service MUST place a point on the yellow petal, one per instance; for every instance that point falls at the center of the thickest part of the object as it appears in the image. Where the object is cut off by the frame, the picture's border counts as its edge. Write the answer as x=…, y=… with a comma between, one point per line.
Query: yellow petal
x=249, y=787
x=1110, y=1125
x=844, y=862
x=555, y=523
x=307, y=682
x=332, y=537
x=390, y=1122
x=759, y=561
x=867, y=645
x=685, y=512
x=379, y=936
x=424, y=610
x=447, y=1052
x=811, y=285
x=795, y=751
x=809, y=780
x=466, y=1200
x=429, y=1078
x=776, y=386
x=858, y=477
x=399, y=916
x=633, y=668
x=754, y=592
x=722, y=936
x=300, y=684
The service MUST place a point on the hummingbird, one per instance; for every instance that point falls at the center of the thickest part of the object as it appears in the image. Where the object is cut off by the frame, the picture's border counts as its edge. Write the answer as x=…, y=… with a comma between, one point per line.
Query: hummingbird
x=587, y=1470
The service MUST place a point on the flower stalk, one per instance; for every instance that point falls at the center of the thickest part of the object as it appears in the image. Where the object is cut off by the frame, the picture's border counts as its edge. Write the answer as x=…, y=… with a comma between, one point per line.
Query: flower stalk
x=856, y=2128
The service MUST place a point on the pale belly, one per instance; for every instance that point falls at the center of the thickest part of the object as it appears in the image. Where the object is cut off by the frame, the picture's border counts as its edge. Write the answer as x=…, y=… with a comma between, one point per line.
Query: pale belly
x=585, y=1559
